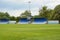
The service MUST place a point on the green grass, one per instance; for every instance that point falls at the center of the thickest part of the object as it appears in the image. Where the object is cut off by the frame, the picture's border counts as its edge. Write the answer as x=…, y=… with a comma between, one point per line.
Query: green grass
x=29, y=32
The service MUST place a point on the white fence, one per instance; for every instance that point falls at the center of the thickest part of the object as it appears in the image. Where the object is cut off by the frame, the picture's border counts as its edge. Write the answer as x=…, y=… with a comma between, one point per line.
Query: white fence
x=53, y=22
x=12, y=22
x=39, y=22
x=22, y=22
x=4, y=22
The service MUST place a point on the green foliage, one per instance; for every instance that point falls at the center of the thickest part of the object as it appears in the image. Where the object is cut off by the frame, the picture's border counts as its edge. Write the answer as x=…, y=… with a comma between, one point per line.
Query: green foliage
x=26, y=14
x=57, y=12
x=46, y=13
x=17, y=19
x=49, y=13
x=36, y=16
x=12, y=18
x=57, y=9
x=4, y=15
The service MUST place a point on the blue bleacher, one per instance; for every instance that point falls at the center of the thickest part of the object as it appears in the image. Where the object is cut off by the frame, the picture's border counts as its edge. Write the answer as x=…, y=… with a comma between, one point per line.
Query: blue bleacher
x=4, y=21
x=24, y=20
x=35, y=21
x=39, y=20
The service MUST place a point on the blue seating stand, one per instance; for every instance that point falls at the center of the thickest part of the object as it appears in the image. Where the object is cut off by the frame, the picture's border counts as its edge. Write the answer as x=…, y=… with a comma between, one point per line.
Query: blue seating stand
x=39, y=21
x=4, y=21
x=23, y=21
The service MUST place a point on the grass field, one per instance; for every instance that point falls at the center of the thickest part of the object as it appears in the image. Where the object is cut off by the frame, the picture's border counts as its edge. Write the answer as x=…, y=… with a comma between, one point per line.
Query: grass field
x=29, y=32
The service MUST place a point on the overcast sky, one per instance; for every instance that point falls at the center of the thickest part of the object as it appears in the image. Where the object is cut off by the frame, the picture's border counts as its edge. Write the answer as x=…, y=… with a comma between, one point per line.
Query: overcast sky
x=16, y=7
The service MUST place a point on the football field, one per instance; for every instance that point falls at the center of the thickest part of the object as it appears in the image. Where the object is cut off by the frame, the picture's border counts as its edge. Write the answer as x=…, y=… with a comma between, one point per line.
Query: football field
x=29, y=31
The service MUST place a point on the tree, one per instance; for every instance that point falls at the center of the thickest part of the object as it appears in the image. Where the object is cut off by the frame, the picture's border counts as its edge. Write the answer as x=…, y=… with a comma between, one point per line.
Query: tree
x=17, y=19
x=36, y=16
x=46, y=13
x=12, y=18
x=26, y=14
x=57, y=10
x=43, y=12
x=4, y=15
x=56, y=15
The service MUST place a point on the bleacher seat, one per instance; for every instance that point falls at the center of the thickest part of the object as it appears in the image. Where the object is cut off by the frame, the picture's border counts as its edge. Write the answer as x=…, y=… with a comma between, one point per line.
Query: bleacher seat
x=39, y=21
x=4, y=21
x=23, y=21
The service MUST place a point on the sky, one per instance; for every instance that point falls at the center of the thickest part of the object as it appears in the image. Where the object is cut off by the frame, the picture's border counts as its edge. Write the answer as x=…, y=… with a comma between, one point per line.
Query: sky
x=16, y=7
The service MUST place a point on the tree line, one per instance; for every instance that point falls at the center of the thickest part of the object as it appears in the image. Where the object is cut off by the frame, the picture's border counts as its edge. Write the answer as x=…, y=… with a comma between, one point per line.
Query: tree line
x=45, y=12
